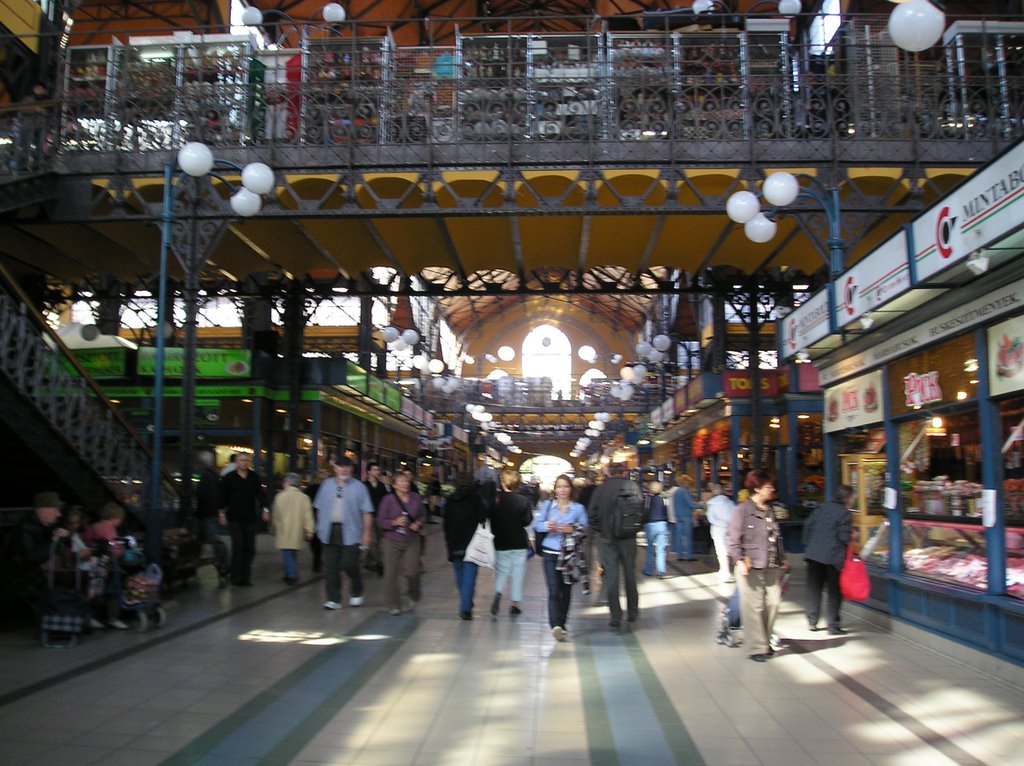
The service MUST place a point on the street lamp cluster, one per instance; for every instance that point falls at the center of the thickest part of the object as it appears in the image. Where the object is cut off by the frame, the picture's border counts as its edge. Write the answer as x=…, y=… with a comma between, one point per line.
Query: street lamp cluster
x=197, y=161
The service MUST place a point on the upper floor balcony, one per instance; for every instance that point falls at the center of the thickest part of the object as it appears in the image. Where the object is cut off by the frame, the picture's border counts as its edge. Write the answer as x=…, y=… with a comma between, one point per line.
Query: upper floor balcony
x=710, y=96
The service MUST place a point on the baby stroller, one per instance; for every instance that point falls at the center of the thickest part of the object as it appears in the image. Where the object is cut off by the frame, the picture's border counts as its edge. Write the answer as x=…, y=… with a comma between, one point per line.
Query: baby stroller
x=137, y=586
x=730, y=622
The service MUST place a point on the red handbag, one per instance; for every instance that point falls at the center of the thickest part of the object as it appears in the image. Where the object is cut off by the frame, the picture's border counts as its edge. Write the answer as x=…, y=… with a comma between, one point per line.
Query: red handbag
x=854, y=584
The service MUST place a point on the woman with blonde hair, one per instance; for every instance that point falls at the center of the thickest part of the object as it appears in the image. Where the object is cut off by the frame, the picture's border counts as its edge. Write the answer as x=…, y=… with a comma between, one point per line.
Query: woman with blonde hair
x=510, y=516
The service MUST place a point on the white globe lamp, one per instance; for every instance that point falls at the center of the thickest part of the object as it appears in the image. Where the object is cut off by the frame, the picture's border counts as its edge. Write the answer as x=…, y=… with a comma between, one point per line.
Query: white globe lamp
x=506, y=353
x=742, y=206
x=639, y=371
x=245, y=203
x=334, y=13
x=195, y=159
x=252, y=17
x=781, y=189
x=411, y=337
x=643, y=348
x=661, y=342
x=790, y=7
x=760, y=228
x=258, y=178
x=626, y=373
x=436, y=366
x=916, y=25
x=390, y=334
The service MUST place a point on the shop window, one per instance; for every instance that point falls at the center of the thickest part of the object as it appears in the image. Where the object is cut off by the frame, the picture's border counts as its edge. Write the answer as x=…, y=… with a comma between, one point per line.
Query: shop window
x=940, y=465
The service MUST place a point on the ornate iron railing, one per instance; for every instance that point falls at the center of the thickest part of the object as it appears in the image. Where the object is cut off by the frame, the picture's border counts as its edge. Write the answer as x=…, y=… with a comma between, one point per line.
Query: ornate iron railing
x=545, y=98
x=53, y=383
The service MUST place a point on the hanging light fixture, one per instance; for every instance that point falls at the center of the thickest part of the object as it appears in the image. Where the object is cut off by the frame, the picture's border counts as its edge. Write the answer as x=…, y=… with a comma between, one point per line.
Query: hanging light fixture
x=917, y=25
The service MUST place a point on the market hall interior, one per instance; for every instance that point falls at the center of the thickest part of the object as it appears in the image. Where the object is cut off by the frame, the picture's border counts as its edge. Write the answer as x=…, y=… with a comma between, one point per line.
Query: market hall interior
x=266, y=675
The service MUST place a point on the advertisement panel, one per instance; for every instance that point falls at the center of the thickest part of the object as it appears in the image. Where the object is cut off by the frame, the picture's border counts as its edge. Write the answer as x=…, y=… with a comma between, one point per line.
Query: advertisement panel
x=806, y=325
x=874, y=280
x=210, y=362
x=103, y=362
x=987, y=206
x=1006, y=356
x=857, y=402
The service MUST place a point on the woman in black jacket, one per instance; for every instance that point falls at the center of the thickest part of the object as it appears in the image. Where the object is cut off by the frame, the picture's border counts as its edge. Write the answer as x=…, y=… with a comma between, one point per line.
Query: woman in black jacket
x=463, y=512
x=509, y=518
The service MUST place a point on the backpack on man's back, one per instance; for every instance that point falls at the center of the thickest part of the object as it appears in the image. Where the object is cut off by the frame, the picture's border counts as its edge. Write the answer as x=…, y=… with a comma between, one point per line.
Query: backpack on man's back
x=629, y=512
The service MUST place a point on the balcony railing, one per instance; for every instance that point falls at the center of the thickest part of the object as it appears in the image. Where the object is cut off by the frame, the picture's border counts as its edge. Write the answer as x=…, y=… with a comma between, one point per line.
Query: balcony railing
x=544, y=98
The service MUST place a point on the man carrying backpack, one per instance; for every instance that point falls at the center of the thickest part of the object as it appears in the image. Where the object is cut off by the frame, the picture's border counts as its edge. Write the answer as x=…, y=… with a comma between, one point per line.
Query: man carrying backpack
x=617, y=514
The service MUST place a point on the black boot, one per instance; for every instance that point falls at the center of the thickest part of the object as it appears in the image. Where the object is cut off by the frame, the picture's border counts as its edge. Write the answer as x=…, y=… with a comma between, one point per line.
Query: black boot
x=495, y=604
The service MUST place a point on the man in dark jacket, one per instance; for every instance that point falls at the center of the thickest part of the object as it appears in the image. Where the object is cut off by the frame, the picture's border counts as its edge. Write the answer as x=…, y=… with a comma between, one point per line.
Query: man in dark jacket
x=241, y=497
x=463, y=512
x=207, y=505
x=375, y=485
x=615, y=553
x=826, y=535
x=30, y=548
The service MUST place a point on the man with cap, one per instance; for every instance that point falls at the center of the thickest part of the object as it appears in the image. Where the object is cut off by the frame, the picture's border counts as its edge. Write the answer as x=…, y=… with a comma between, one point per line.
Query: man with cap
x=344, y=527
x=31, y=547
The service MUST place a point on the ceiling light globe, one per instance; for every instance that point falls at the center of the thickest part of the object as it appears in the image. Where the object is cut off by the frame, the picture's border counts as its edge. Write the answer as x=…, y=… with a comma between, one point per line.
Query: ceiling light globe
x=195, y=159
x=334, y=13
x=411, y=337
x=742, y=206
x=916, y=25
x=661, y=342
x=252, y=17
x=436, y=366
x=245, y=203
x=760, y=228
x=390, y=334
x=790, y=7
x=258, y=178
x=506, y=353
x=781, y=189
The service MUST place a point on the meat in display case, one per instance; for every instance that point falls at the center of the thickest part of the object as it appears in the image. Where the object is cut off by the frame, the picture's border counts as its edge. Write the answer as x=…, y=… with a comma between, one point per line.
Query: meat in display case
x=946, y=551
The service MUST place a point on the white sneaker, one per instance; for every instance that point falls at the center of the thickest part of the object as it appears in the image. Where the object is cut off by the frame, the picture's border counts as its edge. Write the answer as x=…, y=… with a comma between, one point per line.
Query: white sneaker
x=558, y=632
x=355, y=601
x=95, y=624
x=117, y=625
x=332, y=605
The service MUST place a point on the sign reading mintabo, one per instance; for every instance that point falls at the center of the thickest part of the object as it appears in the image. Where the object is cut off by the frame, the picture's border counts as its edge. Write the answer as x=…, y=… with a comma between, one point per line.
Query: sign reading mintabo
x=210, y=362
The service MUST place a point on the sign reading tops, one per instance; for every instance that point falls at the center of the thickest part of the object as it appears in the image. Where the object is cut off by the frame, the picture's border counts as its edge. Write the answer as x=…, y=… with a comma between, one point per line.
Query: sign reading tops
x=805, y=325
x=986, y=206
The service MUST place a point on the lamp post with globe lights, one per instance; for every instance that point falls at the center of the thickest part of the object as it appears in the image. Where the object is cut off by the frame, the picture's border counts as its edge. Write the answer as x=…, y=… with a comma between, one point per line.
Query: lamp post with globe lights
x=196, y=161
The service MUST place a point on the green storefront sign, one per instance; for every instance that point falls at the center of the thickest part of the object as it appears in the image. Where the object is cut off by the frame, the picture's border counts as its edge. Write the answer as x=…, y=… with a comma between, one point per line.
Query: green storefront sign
x=103, y=362
x=356, y=377
x=210, y=362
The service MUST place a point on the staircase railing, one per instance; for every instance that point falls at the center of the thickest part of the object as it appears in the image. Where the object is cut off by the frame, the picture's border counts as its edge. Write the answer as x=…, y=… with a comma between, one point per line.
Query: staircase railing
x=36, y=361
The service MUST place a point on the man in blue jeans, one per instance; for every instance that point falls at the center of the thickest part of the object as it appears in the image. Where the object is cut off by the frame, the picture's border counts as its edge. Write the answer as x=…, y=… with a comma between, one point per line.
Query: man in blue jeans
x=682, y=533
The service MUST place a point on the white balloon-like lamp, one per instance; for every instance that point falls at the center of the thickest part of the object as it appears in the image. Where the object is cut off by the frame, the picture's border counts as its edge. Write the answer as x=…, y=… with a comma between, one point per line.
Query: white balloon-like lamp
x=252, y=17
x=917, y=25
x=195, y=159
x=742, y=206
x=390, y=334
x=334, y=13
x=258, y=178
x=411, y=337
x=436, y=366
x=781, y=189
x=661, y=342
x=245, y=203
x=760, y=228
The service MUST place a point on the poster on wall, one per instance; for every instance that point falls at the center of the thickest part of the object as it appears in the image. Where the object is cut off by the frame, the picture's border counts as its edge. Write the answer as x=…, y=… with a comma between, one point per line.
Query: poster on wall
x=1005, y=343
x=857, y=402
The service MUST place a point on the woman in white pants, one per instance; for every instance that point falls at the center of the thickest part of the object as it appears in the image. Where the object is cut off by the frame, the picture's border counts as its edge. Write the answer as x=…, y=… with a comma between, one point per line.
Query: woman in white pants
x=719, y=511
x=509, y=517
